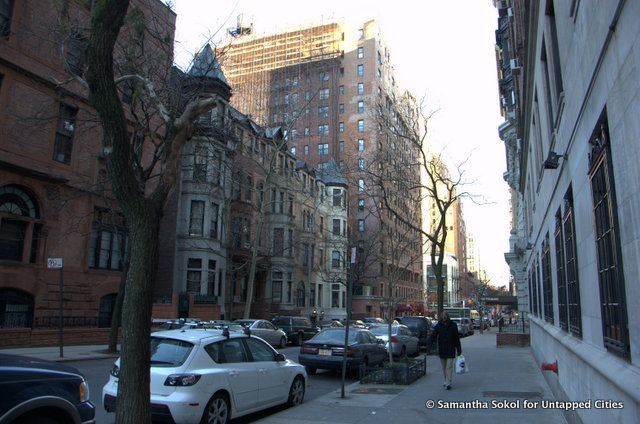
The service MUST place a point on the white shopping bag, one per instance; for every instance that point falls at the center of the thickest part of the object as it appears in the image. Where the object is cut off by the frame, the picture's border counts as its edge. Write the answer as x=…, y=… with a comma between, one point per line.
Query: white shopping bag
x=461, y=365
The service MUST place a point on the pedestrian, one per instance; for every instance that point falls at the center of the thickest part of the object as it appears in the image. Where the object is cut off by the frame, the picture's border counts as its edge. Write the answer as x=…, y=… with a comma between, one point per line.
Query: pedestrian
x=446, y=334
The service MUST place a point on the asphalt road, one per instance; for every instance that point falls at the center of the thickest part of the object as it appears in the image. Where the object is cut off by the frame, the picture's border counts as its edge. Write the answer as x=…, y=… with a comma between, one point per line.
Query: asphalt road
x=97, y=373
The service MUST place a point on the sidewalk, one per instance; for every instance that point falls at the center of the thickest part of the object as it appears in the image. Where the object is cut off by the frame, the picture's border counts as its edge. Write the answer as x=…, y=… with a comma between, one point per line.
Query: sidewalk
x=70, y=353
x=496, y=375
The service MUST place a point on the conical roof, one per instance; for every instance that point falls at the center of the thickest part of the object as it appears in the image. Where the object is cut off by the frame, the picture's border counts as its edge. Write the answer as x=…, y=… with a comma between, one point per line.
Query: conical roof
x=205, y=64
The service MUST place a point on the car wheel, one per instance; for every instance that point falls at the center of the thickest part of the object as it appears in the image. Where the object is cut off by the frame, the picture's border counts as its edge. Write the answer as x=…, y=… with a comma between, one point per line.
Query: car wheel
x=283, y=343
x=310, y=370
x=36, y=419
x=296, y=392
x=217, y=411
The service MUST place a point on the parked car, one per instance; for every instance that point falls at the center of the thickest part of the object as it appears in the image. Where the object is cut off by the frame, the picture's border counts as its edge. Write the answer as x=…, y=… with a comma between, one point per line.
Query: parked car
x=464, y=326
x=373, y=320
x=357, y=323
x=297, y=329
x=34, y=390
x=403, y=343
x=213, y=376
x=264, y=329
x=334, y=323
x=419, y=326
x=477, y=323
x=326, y=350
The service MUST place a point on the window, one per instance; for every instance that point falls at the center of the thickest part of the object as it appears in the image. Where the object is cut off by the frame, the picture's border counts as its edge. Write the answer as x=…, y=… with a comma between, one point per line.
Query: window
x=607, y=232
x=194, y=274
x=76, y=45
x=361, y=186
x=306, y=150
x=360, y=125
x=361, y=164
x=64, y=134
x=360, y=88
x=361, y=145
x=360, y=204
x=336, y=227
x=341, y=146
x=278, y=241
x=233, y=351
x=324, y=94
x=360, y=52
x=561, y=267
x=361, y=106
x=293, y=150
x=341, y=126
x=323, y=111
x=360, y=70
x=555, y=70
x=6, y=11
x=323, y=129
x=335, y=259
x=200, y=164
x=573, y=286
x=196, y=218
x=335, y=295
x=324, y=76
x=379, y=74
x=547, y=289
x=289, y=293
x=20, y=212
x=341, y=108
x=108, y=242
x=323, y=149
x=294, y=134
x=306, y=131
x=213, y=230
x=286, y=99
x=361, y=225
x=276, y=287
x=212, y=290
x=337, y=197
x=361, y=34
x=341, y=90
x=305, y=254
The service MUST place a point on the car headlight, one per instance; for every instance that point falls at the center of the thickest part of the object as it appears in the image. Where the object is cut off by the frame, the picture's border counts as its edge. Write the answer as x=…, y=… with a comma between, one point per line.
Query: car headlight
x=182, y=379
x=115, y=371
x=84, y=391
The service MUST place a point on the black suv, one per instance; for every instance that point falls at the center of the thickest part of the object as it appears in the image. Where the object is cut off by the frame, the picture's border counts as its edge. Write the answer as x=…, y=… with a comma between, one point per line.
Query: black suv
x=298, y=329
x=419, y=326
x=36, y=391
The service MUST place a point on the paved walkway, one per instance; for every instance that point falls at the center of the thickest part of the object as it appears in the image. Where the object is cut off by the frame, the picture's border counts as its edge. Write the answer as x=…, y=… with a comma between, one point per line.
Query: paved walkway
x=500, y=382
x=506, y=376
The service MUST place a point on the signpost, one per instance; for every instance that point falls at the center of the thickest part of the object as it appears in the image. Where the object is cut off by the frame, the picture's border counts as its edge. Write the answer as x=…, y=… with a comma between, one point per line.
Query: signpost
x=57, y=263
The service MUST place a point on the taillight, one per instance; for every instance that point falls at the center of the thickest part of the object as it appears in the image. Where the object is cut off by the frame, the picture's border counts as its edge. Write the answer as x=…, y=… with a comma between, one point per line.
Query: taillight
x=182, y=379
x=339, y=351
x=308, y=349
x=394, y=339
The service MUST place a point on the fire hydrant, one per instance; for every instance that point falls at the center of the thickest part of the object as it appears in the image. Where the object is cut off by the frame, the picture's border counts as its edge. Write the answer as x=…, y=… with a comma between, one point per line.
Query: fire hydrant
x=550, y=366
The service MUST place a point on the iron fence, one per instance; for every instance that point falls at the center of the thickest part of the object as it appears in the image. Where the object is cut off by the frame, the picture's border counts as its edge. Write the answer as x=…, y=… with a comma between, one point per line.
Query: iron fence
x=519, y=324
x=54, y=322
x=403, y=372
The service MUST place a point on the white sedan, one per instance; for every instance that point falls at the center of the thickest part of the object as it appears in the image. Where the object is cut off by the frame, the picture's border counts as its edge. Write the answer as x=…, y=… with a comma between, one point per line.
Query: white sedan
x=211, y=376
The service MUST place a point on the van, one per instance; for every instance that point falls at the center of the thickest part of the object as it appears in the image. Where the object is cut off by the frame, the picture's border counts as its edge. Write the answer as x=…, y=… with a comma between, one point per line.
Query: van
x=297, y=329
x=419, y=326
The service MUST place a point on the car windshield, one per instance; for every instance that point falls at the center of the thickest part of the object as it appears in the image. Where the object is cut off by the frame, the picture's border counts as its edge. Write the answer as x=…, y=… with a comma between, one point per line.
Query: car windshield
x=244, y=322
x=383, y=331
x=281, y=321
x=169, y=352
x=334, y=336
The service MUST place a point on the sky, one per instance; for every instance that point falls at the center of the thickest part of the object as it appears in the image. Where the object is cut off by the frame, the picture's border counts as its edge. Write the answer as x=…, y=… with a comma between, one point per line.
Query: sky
x=442, y=51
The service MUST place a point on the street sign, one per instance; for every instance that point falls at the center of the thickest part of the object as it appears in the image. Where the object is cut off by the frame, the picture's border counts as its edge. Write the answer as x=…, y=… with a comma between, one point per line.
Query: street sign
x=54, y=263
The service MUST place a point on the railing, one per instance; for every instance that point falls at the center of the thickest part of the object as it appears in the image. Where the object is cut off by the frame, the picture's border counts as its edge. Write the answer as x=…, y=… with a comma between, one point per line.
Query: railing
x=404, y=371
x=54, y=322
x=516, y=325
x=204, y=299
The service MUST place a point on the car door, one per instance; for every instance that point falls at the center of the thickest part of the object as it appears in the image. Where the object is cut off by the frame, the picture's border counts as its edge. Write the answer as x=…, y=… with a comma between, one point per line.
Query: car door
x=273, y=384
x=241, y=373
x=270, y=333
x=257, y=329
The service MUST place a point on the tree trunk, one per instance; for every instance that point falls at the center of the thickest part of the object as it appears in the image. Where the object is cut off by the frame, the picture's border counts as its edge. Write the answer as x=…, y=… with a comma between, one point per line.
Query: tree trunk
x=133, y=384
x=116, y=318
x=254, y=260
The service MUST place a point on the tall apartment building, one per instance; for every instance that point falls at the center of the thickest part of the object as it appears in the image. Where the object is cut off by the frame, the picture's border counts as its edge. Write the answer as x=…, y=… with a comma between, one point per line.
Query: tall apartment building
x=327, y=86
x=571, y=100
x=53, y=202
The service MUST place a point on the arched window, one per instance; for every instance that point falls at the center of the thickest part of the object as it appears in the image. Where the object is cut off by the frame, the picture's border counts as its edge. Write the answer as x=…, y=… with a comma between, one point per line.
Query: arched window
x=19, y=229
x=16, y=309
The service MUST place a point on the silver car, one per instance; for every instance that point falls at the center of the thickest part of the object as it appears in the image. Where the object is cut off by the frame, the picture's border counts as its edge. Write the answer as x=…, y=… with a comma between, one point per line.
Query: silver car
x=464, y=326
x=265, y=330
x=402, y=341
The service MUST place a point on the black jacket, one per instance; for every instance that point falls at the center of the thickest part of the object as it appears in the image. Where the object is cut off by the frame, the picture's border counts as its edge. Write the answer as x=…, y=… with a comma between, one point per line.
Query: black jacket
x=448, y=339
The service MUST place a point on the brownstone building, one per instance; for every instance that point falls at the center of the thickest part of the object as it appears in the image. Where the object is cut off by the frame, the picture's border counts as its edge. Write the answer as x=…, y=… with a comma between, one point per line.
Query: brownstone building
x=52, y=198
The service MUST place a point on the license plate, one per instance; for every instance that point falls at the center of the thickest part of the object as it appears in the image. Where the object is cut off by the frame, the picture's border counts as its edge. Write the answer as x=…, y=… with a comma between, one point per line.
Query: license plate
x=325, y=352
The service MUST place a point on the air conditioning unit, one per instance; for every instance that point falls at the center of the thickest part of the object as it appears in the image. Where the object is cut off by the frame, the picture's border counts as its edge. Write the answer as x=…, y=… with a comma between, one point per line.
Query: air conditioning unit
x=510, y=13
x=515, y=66
x=503, y=4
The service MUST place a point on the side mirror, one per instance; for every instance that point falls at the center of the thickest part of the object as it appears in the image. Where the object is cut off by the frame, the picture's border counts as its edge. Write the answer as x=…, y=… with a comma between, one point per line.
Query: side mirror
x=380, y=341
x=280, y=357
